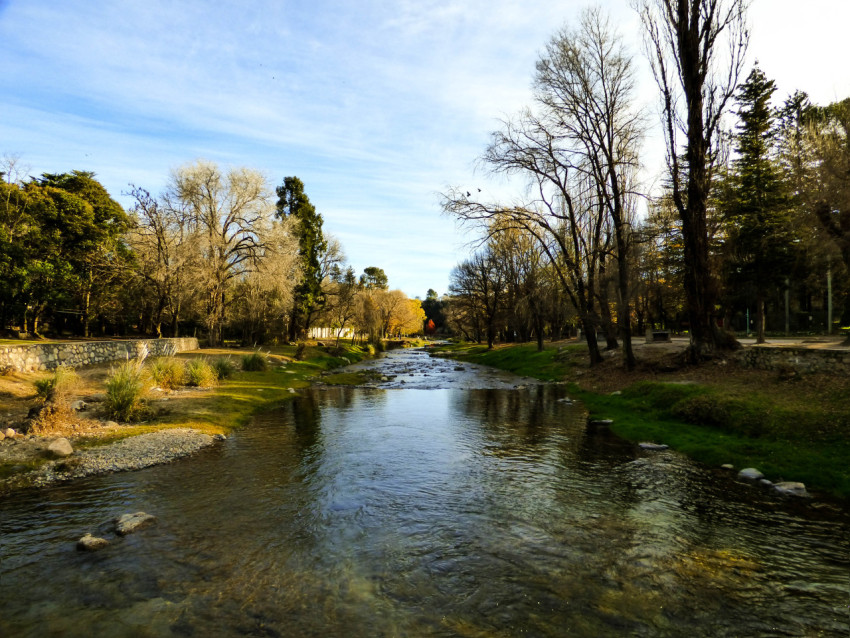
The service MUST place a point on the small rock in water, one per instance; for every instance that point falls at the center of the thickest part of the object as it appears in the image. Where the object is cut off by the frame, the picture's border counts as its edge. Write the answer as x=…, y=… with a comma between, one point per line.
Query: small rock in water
x=765, y=482
x=89, y=543
x=384, y=379
x=219, y=437
x=750, y=474
x=129, y=523
x=459, y=368
x=653, y=446
x=566, y=400
x=60, y=448
x=727, y=466
x=791, y=488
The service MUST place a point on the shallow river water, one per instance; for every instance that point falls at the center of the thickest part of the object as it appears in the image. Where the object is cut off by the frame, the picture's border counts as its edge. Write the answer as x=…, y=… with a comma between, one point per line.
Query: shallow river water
x=459, y=507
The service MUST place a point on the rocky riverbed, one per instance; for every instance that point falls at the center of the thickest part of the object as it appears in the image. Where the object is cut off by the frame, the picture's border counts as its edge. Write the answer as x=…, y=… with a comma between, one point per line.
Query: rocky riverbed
x=133, y=453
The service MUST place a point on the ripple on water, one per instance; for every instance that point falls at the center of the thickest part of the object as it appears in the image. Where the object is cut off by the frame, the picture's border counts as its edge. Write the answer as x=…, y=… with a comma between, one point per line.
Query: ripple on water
x=443, y=512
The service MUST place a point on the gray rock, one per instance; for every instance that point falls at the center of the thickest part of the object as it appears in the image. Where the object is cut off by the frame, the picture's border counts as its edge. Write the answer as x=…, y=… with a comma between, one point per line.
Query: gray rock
x=566, y=400
x=653, y=446
x=60, y=448
x=750, y=474
x=79, y=405
x=727, y=466
x=765, y=483
x=129, y=523
x=791, y=488
x=219, y=437
x=89, y=543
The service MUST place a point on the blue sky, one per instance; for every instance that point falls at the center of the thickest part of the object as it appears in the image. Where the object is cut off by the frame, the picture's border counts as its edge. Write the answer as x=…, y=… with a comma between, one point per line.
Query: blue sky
x=377, y=106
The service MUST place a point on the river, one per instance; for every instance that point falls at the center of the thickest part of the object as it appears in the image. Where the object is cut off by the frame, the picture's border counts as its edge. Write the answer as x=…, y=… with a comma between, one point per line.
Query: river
x=453, y=504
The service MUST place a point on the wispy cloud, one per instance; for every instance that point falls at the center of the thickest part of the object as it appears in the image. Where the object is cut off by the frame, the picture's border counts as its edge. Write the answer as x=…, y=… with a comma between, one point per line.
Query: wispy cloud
x=376, y=105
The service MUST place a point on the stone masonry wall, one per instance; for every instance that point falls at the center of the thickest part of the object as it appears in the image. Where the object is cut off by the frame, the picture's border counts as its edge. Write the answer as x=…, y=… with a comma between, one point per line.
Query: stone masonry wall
x=47, y=356
x=803, y=360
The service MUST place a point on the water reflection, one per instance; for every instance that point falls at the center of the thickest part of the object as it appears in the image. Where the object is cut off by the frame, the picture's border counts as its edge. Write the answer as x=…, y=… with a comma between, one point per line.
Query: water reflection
x=423, y=512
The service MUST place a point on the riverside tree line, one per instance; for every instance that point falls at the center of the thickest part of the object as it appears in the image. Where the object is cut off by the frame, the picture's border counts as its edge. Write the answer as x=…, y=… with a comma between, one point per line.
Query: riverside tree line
x=215, y=252
x=754, y=219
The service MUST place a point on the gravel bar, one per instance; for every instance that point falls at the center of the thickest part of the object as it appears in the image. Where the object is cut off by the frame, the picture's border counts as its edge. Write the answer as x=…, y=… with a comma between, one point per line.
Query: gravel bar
x=133, y=453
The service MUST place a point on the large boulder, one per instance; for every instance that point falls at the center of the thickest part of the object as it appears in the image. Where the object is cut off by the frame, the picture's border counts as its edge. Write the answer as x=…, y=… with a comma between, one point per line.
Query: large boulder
x=60, y=448
x=129, y=523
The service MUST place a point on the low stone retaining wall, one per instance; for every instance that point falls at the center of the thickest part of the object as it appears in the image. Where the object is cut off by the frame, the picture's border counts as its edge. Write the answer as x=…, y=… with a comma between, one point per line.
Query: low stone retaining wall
x=803, y=360
x=47, y=356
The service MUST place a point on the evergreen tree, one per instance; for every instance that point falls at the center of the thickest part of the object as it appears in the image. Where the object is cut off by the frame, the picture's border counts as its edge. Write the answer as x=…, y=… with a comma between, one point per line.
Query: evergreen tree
x=757, y=206
x=309, y=298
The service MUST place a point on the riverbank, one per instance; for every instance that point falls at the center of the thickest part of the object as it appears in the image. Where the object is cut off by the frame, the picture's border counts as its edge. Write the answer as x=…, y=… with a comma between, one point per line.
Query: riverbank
x=179, y=421
x=793, y=427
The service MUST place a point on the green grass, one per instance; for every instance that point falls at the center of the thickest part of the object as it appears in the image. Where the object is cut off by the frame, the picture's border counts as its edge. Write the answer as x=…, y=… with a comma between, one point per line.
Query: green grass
x=552, y=364
x=789, y=432
x=785, y=444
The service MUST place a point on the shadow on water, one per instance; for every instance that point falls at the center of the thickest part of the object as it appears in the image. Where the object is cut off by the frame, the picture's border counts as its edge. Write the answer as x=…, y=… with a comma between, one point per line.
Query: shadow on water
x=447, y=512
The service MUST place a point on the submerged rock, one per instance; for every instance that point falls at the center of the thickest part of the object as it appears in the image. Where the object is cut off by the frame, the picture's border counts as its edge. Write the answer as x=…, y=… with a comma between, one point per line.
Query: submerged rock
x=129, y=523
x=89, y=543
x=750, y=474
x=791, y=488
x=60, y=448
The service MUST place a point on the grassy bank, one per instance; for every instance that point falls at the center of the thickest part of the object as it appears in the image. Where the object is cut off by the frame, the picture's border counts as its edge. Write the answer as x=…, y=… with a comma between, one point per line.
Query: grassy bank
x=228, y=404
x=232, y=402
x=791, y=430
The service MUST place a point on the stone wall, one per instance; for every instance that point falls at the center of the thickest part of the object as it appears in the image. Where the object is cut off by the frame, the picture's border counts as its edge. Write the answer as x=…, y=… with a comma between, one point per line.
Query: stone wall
x=803, y=360
x=47, y=356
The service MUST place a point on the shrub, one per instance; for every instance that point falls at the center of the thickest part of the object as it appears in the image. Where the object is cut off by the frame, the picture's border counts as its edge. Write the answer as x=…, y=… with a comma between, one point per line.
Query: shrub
x=254, y=362
x=200, y=373
x=168, y=372
x=58, y=384
x=125, y=390
x=224, y=367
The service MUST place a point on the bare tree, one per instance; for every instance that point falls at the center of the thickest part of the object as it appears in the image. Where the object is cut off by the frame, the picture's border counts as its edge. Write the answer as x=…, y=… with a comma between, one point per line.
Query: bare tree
x=228, y=213
x=586, y=77
x=578, y=150
x=696, y=49
x=159, y=238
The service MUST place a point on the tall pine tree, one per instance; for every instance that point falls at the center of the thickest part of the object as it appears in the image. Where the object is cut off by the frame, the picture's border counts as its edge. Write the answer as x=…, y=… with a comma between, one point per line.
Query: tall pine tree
x=759, y=236
x=309, y=297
